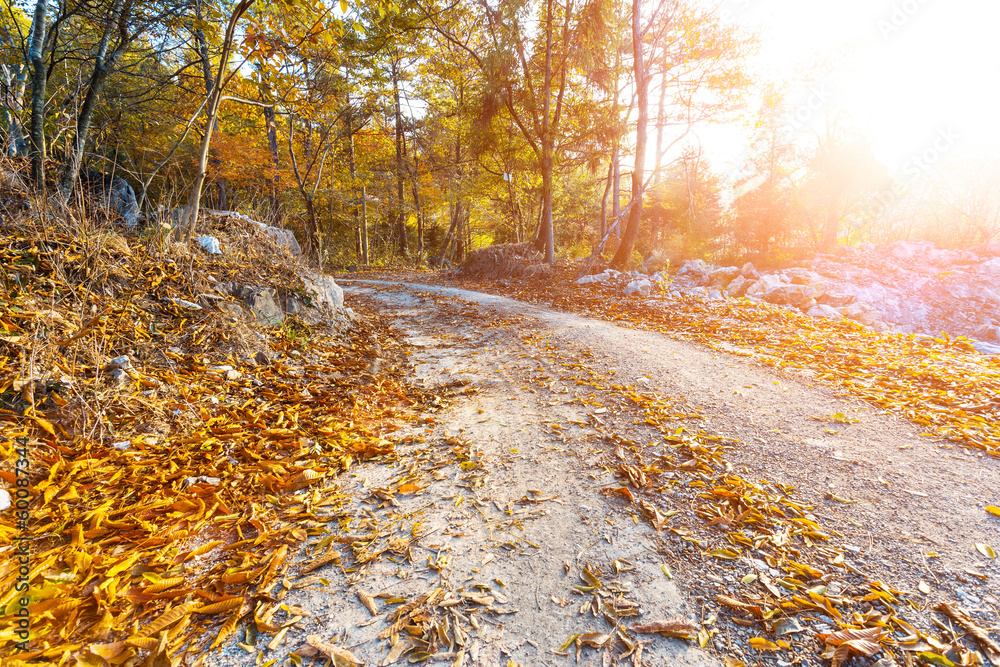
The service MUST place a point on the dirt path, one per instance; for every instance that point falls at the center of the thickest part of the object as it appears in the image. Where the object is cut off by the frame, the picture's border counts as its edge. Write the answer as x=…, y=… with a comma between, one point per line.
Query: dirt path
x=511, y=492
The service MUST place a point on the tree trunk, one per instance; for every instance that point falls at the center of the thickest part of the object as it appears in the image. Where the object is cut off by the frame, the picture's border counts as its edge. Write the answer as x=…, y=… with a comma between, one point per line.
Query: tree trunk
x=364, y=227
x=659, y=129
x=420, y=212
x=102, y=67
x=400, y=213
x=38, y=84
x=215, y=99
x=616, y=195
x=604, y=201
x=455, y=217
x=272, y=143
x=641, y=84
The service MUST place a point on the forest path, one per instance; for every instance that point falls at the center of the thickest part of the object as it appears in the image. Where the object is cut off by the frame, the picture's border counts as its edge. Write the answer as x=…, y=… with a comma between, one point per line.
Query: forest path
x=556, y=412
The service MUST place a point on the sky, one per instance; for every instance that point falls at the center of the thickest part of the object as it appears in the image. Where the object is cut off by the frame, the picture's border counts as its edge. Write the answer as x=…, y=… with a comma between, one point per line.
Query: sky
x=921, y=78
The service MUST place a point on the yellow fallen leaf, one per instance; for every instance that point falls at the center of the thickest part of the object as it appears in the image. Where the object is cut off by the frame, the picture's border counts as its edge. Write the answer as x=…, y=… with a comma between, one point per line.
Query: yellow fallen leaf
x=985, y=550
x=995, y=511
x=762, y=644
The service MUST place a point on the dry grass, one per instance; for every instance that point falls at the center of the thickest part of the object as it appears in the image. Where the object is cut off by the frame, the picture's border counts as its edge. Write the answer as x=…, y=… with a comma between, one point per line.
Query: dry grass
x=506, y=260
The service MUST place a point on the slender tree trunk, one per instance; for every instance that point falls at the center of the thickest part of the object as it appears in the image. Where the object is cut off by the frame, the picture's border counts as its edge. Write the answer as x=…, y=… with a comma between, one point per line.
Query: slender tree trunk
x=604, y=201
x=400, y=213
x=365, y=257
x=38, y=85
x=659, y=129
x=455, y=217
x=215, y=99
x=642, y=89
x=616, y=195
x=420, y=212
x=546, y=239
x=102, y=67
x=270, y=121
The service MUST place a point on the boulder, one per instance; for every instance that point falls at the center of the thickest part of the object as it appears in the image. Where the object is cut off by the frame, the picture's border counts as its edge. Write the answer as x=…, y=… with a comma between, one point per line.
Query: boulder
x=209, y=244
x=323, y=291
x=283, y=238
x=789, y=295
x=263, y=303
x=738, y=286
x=641, y=287
x=836, y=300
x=762, y=285
x=600, y=278
x=694, y=267
x=823, y=310
x=115, y=194
x=722, y=276
x=749, y=271
x=988, y=332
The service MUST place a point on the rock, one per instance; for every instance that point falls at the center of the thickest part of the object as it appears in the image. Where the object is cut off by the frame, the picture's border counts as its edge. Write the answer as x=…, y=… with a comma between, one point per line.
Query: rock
x=183, y=303
x=123, y=445
x=989, y=333
x=263, y=303
x=233, y=375
x=723, y=276
x=230, y=308
x=715, y=295
x=4, y=499
x=738, y=286
x=262, y=359
x=695, y=267
x=601, y=278
x=122, y=363
x=836, y=300
x=823, y=310
x=749, y=271
x=210, y=244
x=639, y=287
x=323, y=291
x=284, y=238
x=991, y=249
x=789, y=295
x=115, y=194
x=201, y=479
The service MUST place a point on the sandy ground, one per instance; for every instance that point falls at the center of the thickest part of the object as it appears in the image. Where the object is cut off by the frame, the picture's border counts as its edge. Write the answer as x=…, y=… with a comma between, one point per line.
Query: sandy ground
x=525, y=521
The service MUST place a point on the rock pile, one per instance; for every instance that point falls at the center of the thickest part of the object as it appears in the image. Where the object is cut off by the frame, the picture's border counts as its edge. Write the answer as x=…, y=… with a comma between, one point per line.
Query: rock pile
x=903, y=287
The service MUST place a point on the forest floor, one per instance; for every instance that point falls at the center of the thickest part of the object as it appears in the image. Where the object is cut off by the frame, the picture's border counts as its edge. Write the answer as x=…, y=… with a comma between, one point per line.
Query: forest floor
x=589, y=484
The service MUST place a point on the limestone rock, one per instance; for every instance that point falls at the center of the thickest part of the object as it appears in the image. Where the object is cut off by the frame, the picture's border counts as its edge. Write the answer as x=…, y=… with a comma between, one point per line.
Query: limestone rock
x=789, y=295
x=738, y=286
x=209, y=244
x=823, y=310
x=722, y=276
x=641, y=287
x=263, y=303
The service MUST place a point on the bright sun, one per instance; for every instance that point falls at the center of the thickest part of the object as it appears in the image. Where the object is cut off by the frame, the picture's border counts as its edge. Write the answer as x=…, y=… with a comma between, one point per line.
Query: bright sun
x=908, y=71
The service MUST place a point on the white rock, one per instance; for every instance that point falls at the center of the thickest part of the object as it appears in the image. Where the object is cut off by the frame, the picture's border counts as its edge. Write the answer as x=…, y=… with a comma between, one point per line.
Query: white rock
x=4, y=499
x=201, y=479
x=823, y=310
x=601, y=278
x=123, y=445
x=184, y=303
x=122, y=362
x=641, y=287
x=210, y=244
